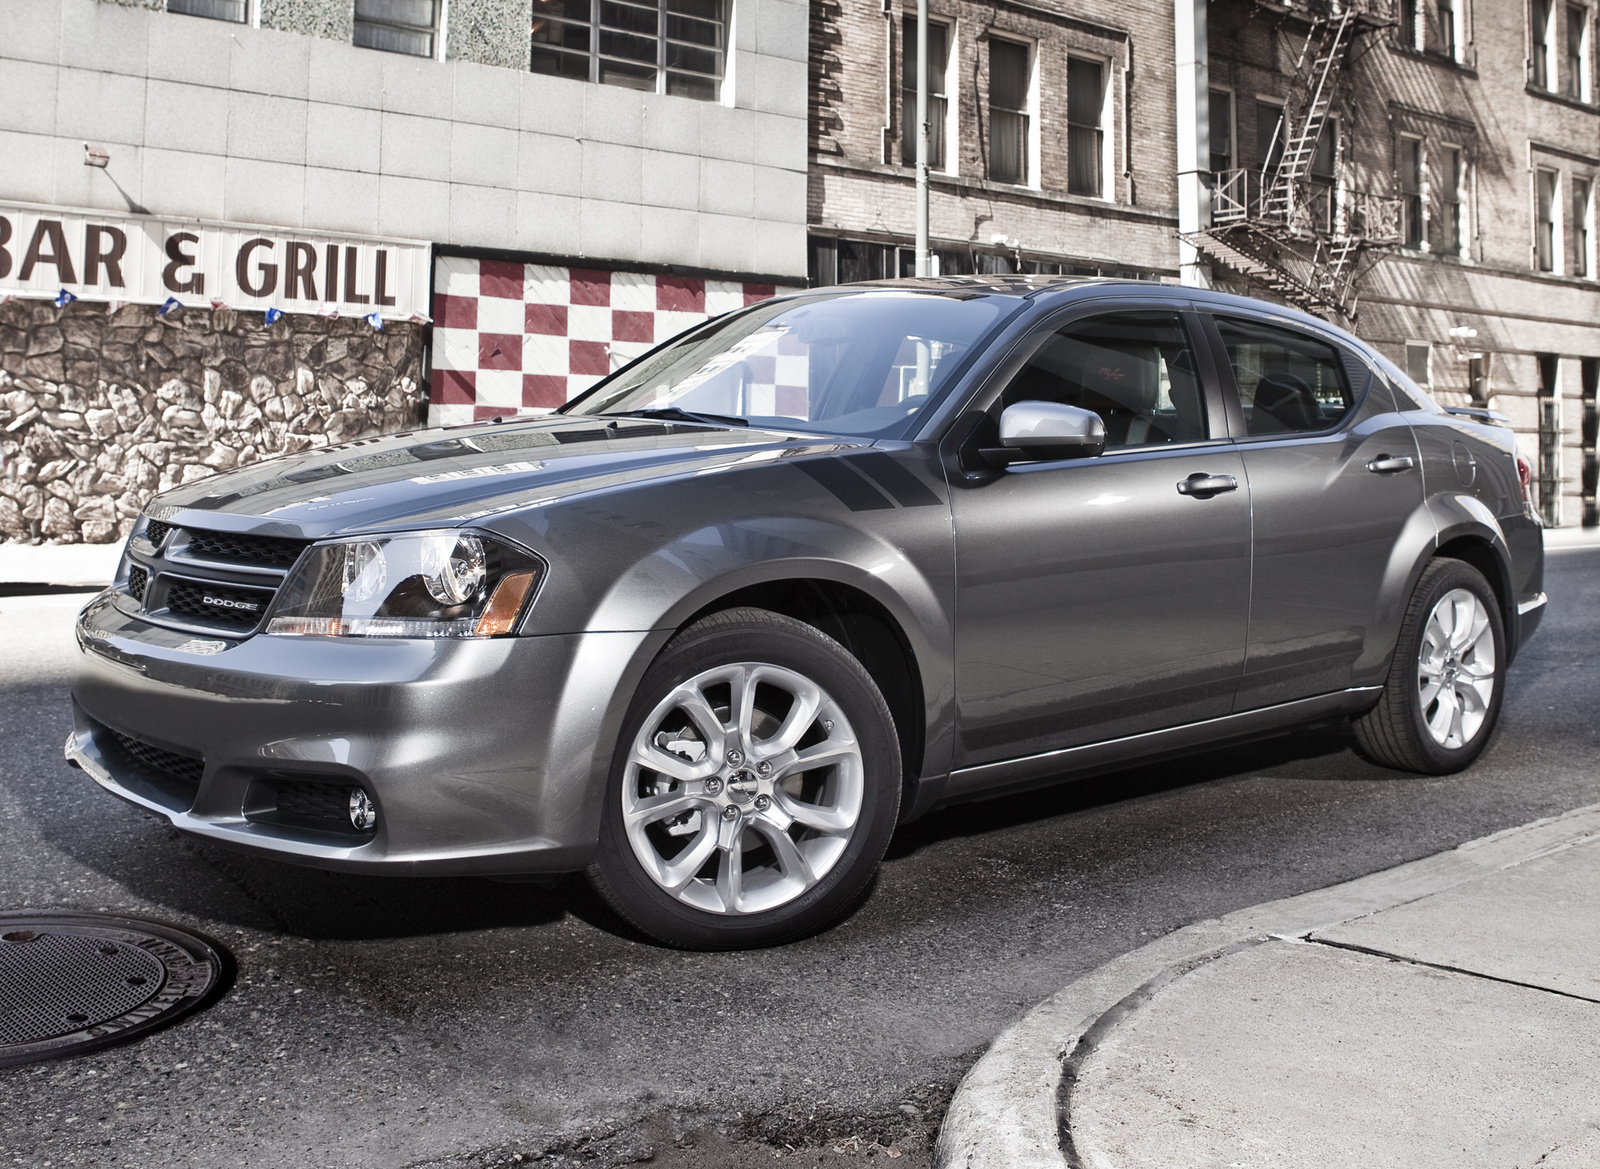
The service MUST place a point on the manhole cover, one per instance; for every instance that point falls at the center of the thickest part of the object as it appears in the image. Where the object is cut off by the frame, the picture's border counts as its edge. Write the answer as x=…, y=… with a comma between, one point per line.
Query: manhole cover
x=77, y=982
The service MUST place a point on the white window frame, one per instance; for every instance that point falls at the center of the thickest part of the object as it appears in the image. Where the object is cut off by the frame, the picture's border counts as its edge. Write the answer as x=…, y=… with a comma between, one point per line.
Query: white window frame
x=952, y=142
x=1458, y=30
x=1030, y=163
x=1558, y=241
x=1421, y=193
x=1551, y=81
x=1582, y=53
x=1233, y=125
x=1463, y=187
x=1586, y=222
x=1412, y=344
x=1108, y=146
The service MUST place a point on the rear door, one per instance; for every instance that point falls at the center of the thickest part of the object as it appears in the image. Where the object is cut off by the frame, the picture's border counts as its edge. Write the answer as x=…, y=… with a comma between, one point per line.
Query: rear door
x=1334, y=478
x=1094, y=597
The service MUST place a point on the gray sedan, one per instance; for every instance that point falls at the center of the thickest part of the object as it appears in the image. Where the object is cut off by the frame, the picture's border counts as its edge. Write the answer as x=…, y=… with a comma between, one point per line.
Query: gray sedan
x=804, y=573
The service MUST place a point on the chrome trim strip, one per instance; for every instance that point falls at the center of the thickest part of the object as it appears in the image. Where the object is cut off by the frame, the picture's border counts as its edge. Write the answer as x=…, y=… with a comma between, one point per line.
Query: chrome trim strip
x=1112, y=753
x=1531, y=603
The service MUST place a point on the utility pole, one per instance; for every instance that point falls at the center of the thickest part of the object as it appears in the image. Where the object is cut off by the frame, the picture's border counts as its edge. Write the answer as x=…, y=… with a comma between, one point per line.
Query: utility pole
x=1194, y=137
x=924, y=268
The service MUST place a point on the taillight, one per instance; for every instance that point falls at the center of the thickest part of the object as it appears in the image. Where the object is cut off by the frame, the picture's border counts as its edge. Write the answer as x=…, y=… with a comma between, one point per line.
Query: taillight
x=1525, y=478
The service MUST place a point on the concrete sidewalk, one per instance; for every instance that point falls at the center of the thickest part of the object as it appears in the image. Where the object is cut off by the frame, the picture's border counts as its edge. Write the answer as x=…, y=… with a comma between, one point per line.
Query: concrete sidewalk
x=1443, y=1013
x=71, y=565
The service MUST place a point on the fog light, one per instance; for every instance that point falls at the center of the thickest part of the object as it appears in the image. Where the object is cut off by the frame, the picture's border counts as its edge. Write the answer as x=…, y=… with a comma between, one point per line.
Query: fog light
x=363, y=812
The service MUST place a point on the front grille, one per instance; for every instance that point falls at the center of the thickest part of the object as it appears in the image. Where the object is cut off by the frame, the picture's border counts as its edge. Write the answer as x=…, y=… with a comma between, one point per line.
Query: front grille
x=219, y=604
x=186, y=769
x=266, y=551
x=138, y=581
x=156, y=531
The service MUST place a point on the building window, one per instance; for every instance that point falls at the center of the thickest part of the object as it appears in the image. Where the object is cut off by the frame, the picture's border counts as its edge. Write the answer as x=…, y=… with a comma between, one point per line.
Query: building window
x=233, y=10
x=397, y=26
x=1544, y=244
x=1009, y=82
x=1539, y=46
x=1418, y=355
x=1576, y=82
x=1221, y=127
x=938, y=106
x=1582, y=227
x=1411, y=226
x=1086, y=100
x=1323, y=197
x=669, y=46
x=1410, y=29
x=1449, y=41
x=1454, y=180
x=1590, y=435
x=1549, y=481
x=1269, y=143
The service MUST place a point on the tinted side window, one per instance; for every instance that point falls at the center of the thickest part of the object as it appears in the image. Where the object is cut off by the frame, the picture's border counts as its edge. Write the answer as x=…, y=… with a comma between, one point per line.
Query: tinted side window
x=1135, y=370
x=1287, y=381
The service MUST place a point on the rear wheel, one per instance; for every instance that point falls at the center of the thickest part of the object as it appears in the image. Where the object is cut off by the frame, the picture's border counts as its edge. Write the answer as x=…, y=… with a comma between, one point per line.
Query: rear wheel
x=1443, y=694
x=755, y=787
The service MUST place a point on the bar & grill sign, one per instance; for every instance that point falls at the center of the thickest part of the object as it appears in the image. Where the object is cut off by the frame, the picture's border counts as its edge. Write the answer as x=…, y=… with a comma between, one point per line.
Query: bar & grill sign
x=104, y=256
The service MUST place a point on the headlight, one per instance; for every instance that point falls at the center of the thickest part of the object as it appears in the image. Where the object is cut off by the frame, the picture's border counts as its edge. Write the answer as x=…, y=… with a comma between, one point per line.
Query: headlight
x=420, y=584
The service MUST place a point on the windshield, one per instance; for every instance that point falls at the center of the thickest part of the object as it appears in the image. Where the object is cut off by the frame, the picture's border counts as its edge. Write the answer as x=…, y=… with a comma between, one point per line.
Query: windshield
x=854, y=363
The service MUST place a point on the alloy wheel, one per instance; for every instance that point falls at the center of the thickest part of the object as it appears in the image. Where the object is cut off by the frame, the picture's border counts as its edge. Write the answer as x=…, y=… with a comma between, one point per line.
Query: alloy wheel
x=743, y=788
x=1456, y=669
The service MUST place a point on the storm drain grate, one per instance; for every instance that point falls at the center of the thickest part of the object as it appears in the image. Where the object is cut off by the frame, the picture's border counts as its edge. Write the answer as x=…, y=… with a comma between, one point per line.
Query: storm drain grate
x=77, y=982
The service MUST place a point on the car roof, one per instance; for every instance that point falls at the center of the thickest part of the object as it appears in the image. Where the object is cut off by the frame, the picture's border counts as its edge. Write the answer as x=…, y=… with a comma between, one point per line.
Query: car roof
x=1047, y=289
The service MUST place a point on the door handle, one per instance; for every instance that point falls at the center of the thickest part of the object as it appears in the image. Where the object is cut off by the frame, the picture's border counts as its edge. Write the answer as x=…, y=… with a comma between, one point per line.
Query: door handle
x=1204, y=486
x=1391, y=464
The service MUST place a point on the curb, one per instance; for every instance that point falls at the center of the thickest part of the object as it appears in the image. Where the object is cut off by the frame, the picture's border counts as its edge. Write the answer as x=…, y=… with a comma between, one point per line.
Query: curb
x=1006, y=1109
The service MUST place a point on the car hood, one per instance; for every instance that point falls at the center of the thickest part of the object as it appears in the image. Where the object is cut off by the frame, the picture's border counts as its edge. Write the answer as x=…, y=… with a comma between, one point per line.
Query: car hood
x=440, y=478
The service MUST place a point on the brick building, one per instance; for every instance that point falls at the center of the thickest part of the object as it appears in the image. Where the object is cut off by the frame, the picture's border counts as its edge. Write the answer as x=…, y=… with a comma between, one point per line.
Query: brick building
x=235, y=228
x=1446, y=195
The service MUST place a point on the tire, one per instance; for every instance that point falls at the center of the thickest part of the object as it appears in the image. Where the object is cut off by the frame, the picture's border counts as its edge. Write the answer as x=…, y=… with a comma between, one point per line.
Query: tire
x=716, y=835
x=1435, y=716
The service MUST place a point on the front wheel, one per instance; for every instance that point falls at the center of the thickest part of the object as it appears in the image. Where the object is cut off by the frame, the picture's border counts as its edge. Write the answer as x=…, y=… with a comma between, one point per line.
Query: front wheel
x=1443, y=694
x=754, y=790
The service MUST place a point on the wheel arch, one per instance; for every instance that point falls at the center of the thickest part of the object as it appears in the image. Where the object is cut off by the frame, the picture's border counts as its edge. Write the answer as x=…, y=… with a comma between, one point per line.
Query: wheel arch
x=867, y=629
x=1469, y=532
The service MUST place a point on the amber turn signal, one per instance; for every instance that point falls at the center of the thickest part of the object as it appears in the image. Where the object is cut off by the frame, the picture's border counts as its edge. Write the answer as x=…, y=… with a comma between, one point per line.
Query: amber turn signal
x=501, y=615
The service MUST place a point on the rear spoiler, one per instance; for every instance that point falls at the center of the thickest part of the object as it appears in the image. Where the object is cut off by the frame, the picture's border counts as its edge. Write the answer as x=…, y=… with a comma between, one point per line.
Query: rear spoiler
x=1481, y=415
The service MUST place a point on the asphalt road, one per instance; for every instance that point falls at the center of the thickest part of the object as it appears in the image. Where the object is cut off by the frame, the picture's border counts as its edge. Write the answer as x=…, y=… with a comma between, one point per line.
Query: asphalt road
x=463, y=1022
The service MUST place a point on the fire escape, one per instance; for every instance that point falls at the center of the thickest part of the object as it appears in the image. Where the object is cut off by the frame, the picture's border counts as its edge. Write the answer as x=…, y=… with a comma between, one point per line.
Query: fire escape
x=1286, y=227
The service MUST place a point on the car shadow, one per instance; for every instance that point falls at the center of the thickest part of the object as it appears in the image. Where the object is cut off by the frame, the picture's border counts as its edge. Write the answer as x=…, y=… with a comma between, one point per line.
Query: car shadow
x=211, y=884
x=1317, y=754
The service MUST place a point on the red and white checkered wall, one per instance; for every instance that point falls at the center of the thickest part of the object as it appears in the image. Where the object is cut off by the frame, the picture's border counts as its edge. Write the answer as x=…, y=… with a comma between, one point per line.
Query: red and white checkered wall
x=514, y=338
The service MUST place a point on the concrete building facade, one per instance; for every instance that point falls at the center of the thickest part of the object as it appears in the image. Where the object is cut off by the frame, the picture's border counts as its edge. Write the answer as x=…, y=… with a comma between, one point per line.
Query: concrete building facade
x=1474, y=122
x=1483, y=120
x=590, y=187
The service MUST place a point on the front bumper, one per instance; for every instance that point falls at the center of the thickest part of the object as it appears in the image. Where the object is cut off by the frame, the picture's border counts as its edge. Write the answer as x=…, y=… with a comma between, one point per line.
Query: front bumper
x=482, y=756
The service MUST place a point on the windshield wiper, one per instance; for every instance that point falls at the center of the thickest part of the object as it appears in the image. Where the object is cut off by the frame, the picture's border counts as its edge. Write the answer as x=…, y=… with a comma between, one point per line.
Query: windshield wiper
x=678, y=414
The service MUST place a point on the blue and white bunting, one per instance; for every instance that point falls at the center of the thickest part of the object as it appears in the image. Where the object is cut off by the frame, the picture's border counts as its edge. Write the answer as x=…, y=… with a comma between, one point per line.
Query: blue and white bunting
x=167, y=306
x=375, y=320
x=273, y=316
x=64, y=298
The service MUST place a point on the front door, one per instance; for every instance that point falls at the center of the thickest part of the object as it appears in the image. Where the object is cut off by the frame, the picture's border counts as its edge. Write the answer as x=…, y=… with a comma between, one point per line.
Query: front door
x=1095, y=599
x=1334, y=480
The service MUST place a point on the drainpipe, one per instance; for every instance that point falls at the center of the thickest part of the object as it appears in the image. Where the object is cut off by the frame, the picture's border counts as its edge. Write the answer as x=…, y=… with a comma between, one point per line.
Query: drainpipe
x=1194, y=136
x=923, y=266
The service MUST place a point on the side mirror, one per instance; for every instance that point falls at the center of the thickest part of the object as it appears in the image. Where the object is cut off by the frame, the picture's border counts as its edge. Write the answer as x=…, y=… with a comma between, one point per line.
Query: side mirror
x=1035, y=431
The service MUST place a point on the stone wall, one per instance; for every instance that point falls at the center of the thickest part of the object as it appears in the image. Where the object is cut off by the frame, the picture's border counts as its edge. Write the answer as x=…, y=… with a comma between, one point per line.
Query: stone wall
x=100, y=411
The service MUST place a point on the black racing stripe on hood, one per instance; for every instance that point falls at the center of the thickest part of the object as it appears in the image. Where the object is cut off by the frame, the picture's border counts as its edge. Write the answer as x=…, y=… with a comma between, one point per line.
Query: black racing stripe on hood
x=892, y=476
x=849, y=488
